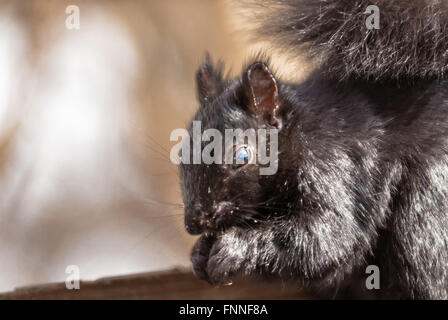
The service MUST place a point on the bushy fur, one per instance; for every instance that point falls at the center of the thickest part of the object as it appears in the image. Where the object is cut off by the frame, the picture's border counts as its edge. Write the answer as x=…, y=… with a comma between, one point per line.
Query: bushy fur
x=412, y=40
x=362, y=178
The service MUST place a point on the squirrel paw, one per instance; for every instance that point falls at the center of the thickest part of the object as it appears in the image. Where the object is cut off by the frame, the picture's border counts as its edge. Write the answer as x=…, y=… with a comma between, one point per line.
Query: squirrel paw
x=214, y=260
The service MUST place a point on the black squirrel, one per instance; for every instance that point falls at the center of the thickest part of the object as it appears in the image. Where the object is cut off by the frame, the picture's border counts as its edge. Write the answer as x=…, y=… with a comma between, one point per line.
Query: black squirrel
x=362, y=173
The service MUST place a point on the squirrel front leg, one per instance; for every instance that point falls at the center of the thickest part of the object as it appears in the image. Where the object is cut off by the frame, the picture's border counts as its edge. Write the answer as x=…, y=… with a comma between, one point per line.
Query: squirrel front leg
x=239, y=251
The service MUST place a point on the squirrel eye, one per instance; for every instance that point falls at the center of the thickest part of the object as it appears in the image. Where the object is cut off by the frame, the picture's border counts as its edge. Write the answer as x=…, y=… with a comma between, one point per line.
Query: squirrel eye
x=243, y=156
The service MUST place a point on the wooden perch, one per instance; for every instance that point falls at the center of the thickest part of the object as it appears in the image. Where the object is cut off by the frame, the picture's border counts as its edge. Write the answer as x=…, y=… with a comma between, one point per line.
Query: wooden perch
x=174, y=284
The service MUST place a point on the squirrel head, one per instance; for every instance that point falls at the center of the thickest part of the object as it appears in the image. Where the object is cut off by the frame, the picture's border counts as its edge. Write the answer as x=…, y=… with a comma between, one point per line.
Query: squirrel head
x=227, y=191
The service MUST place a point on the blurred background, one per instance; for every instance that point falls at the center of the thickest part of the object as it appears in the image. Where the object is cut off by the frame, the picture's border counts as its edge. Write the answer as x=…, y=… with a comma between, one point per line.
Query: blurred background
x=85, y=118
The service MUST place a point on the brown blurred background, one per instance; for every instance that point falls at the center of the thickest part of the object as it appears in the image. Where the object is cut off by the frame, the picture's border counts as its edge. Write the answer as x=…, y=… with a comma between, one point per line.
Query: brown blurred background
x=85, y=118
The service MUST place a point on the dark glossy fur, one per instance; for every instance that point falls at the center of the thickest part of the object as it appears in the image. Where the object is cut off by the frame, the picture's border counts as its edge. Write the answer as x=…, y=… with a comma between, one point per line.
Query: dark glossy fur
x=412, y=40
x=362, y=178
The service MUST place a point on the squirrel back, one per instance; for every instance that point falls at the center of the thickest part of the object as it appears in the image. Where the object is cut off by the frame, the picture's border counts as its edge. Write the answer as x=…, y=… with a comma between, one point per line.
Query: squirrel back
x=411, y=41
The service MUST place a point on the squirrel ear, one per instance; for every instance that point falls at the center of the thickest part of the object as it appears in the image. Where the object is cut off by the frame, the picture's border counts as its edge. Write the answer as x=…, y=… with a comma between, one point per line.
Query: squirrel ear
x=262, y=91
x=208, y=80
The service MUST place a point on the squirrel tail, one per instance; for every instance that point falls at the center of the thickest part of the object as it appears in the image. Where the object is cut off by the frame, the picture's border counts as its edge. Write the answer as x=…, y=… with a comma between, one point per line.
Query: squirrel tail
x=359, y=39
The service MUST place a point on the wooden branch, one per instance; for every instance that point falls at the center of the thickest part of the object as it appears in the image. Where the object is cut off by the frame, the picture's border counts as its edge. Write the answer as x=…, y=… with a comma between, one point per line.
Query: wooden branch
x=174, y=284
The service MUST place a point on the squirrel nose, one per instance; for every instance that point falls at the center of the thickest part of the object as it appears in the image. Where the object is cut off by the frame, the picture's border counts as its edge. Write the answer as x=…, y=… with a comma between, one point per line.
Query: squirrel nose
x=194, y=220
x=193, y=226
x=197, y=220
